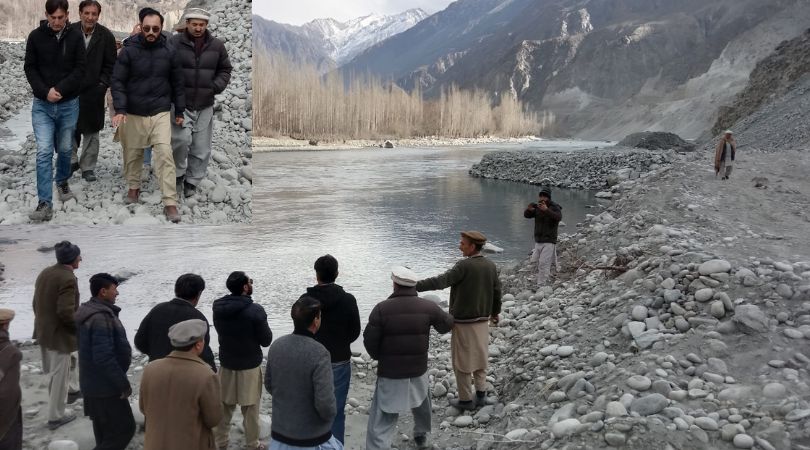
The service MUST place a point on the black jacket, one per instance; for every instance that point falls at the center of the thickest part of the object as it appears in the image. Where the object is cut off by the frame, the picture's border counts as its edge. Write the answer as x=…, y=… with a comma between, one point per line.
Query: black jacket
x=100, y=55
x=242, y=329
x=54, y=62
x=152, y=337
x=104, y=351
x=147, y=79
x=206, y=75
x=340, y=320
x=545, y=223
x=398, y=333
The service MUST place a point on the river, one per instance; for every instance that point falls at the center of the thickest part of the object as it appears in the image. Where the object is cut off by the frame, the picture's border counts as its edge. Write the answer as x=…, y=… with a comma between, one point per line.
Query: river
x=371, y=209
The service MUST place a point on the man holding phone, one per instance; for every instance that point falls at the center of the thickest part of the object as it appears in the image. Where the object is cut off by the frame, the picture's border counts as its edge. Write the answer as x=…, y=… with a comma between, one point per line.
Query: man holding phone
x=547, y=216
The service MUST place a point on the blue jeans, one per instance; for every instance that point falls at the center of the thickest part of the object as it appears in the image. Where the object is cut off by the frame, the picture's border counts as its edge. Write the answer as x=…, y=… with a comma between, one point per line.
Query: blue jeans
x=147, y=156
x=342, y=375
x=54, y=125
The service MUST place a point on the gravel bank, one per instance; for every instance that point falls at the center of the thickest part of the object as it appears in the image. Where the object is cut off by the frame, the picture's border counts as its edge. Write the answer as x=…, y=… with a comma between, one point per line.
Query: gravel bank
x=223, y=197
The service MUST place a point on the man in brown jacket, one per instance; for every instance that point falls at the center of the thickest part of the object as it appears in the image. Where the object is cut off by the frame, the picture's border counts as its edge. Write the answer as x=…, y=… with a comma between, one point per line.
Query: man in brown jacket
x=724, y=154
x=56, y=299
x=475, y=300
x=11, y=430
x=180, y=396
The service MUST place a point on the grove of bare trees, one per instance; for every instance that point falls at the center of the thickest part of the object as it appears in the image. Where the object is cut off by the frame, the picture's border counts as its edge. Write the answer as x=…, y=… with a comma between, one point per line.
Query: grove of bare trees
x=295, y=100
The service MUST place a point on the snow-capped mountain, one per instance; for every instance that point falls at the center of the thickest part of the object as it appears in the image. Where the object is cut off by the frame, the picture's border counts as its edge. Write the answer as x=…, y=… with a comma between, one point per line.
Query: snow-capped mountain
x=334, y=40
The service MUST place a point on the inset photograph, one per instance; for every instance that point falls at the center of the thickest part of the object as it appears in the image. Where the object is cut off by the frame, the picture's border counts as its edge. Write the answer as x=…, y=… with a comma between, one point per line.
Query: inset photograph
x=130, y=112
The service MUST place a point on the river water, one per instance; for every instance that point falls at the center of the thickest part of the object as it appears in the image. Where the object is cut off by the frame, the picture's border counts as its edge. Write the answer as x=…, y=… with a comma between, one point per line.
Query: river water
x=371, y=209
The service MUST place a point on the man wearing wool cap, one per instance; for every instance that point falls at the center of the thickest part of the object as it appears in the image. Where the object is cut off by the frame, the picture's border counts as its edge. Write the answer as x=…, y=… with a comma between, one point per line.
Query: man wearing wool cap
x=11, y=429
x=398, y=337
x=56, y=299
x=475, y=300
x=547, y=216
x=180, y=396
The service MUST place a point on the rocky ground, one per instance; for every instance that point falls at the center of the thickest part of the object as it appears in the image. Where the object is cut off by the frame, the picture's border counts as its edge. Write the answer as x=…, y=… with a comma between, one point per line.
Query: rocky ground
x=223, y=197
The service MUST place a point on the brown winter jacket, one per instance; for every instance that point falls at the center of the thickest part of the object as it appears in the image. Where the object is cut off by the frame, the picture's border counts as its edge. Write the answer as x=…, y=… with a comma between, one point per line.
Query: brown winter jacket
x=398, y=333
x=475, y=290
x=720, y=149
x=10, y=393
x=180, y=400
x=56, y=299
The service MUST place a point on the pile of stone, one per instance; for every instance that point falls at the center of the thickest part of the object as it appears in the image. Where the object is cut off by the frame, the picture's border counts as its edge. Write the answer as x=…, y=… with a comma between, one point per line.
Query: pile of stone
x=223, y=197
x=14, y=90
x=657, y=140
x=583, y=169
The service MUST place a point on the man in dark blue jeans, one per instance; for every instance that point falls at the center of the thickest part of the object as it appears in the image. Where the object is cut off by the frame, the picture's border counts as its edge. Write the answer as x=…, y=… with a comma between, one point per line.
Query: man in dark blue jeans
x=54, y=67
x=340, y=326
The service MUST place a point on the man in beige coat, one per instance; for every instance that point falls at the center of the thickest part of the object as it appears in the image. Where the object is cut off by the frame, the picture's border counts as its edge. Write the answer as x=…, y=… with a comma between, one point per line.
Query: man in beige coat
x=56, y=298
x=724, y=154
x=180, y=396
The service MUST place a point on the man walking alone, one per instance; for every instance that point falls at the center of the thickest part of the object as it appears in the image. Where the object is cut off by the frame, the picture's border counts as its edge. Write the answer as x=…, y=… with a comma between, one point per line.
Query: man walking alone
x=147, y=81
x=207, y=71
x=54, y=67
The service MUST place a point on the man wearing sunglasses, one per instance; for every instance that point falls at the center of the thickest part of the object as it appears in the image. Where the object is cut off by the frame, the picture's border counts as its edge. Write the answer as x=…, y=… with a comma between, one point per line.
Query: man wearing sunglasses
x=147, y=81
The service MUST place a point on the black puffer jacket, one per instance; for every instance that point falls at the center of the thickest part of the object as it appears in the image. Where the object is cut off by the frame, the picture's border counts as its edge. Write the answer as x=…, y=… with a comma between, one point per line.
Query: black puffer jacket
x=398, y=333
x=54, y=62
x=546, y=223
x=340, y=320
x=242, y=328
x=104, y=351
x=152, y=337
x=147, y=79
x=206, y=75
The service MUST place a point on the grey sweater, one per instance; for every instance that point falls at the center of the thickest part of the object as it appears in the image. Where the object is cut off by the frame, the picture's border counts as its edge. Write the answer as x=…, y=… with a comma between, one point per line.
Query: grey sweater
x=299, y=378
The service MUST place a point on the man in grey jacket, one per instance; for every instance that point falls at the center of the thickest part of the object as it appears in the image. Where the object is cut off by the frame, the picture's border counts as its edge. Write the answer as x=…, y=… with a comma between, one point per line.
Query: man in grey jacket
x=299, y=378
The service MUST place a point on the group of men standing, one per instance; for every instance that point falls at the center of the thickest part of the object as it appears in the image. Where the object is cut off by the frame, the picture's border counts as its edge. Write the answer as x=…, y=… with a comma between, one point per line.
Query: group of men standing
x=163, y=90
x=188, y=401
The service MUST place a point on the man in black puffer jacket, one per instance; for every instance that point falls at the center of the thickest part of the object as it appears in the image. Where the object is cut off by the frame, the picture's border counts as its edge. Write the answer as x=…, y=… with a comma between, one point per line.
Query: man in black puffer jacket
x=242, y=328
x=104, y=358
x=340, y=326
x=207, y=71
x=147, y=81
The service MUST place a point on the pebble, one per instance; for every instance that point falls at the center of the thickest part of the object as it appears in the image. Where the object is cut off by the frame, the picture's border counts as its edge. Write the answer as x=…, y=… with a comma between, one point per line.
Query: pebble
x=556, y=397
x=649, y=404
x=797, y=414
x=463, y=421
x=743, y=441
x=704, y=295
x=615, y=439
x=774, y=390
x=565, y=351
x=565, y=427
x=63, y=445
x=639, y=382
x=639, y=313
x=714, y=266
x=793, y=333
x=706, y=423
x=516, y=434
x=717, y=309
x=615, y=409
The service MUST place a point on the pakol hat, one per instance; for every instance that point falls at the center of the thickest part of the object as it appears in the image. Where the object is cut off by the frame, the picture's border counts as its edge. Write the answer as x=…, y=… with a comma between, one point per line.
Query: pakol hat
x=187, y=332
x=197, y=13
x=475, y=237
x=66, y=252
x=6, y=315
x=545, y=190
x=403, y=276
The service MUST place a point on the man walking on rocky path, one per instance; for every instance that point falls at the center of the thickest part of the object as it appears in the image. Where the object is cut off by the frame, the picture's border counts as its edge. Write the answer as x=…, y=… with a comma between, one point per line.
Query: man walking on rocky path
x=54, y=67
x=180, y=397
x=724, y=155
x=152, y=339
x=340, y=326
x=147, y=83
x=104, y=358
x=398, y=337
x=207, y=71
x=475, y=300
x=11, y=429
x=99, y=44
x=242, y=328
x=547, y=216
x=56, y=298
x=299, y=379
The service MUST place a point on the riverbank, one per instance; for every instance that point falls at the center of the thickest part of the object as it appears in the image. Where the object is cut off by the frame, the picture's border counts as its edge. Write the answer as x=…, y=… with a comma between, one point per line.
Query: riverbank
x=224, y=196
x=286, y=144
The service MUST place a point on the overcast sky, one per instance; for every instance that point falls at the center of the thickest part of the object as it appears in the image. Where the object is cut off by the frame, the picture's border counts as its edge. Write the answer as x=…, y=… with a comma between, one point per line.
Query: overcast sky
x=297, y=12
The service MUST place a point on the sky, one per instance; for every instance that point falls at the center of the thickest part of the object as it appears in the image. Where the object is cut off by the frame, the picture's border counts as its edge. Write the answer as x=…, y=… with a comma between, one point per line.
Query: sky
x=298, y=12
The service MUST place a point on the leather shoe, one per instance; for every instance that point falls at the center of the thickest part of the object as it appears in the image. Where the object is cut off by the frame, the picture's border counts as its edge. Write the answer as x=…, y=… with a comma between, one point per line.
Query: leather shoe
x=467, y=405
x=132, y=196
x=54, y=424
x=171, y=213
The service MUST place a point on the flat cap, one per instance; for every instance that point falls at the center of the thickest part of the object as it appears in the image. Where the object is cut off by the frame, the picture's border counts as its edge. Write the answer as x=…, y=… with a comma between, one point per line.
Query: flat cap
x=197, y=13
x=475, y=237
x=6, y=315
x=187, y=332
x=403, y=276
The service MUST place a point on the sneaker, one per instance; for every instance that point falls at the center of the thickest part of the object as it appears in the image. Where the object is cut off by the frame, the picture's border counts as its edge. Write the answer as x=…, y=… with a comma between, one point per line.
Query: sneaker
x=188, y=189
x=43, y=212
x=67, y=418
x=421, y=442
x=171, y=213
x=147, y=171
x=467, y=405
x=64, y=192
x=88, y=175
